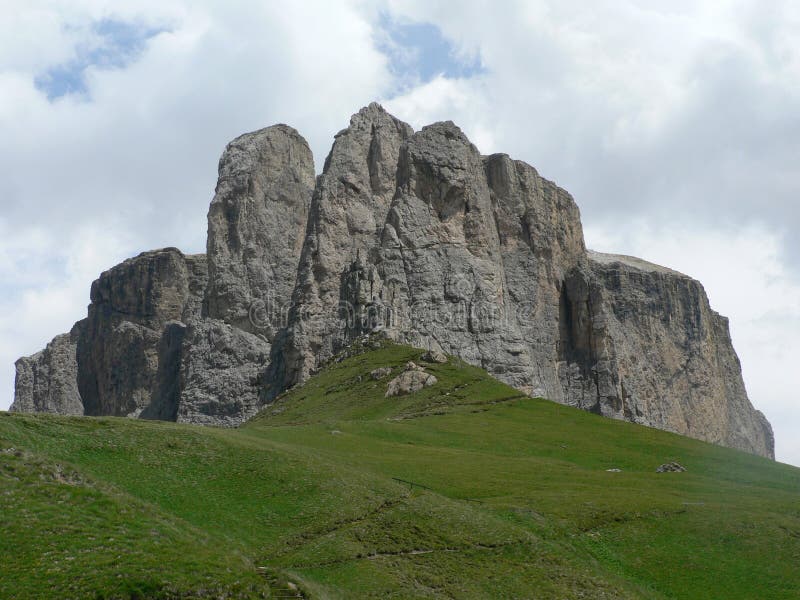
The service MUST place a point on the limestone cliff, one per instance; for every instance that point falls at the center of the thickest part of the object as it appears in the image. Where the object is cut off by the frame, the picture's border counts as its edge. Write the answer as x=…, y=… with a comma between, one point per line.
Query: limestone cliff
x=127, y=353
x=667, y=358
x=256, y=227
x=415, y=235
x=48, y=381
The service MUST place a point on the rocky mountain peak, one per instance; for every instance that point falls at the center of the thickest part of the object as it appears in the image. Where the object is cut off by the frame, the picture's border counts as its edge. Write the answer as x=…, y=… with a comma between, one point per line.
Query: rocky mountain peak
x=414, y=235
x=256, y=227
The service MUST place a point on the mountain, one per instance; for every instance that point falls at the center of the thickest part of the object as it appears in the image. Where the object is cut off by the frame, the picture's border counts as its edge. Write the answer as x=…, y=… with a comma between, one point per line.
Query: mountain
x=414, y=235
x=465, y=488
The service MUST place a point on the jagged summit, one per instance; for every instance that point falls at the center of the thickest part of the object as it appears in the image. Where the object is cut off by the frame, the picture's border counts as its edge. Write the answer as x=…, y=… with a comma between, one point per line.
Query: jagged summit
x=417, y=236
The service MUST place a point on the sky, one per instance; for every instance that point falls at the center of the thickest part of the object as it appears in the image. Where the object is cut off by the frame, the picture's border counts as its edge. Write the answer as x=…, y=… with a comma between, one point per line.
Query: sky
x=675, y=127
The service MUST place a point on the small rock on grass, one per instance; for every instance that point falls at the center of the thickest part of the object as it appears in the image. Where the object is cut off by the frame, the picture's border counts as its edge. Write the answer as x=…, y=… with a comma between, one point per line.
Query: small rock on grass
x=380, y=373
x=670, y=467
x=409, y=382
x=434, y=356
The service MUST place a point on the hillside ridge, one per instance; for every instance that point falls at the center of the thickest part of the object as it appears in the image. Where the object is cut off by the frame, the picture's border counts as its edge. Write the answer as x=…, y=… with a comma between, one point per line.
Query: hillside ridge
x=466, y=488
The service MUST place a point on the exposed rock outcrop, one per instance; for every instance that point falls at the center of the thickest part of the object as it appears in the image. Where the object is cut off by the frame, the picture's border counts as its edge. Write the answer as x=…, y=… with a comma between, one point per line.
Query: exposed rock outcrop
x=126, y=352
x=415, y=235
x=334, y=295
x=47, y=382
x=412, y=379
x=221, y=374
x=663, y=357
x=380, y=373
x=256, y=227
x=434, y=356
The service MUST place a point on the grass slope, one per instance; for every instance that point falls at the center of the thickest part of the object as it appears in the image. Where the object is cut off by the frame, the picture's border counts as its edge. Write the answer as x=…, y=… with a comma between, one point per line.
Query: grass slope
x=513, y=500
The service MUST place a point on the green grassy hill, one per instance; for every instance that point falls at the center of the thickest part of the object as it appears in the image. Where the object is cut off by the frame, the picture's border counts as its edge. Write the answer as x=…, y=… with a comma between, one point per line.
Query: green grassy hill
x=513, y=499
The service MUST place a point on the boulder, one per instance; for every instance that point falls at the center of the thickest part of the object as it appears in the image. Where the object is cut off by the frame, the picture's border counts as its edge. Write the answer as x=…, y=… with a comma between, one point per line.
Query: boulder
x=434, y=356
x=380, y=373
x=408, y=382
x=670, y=467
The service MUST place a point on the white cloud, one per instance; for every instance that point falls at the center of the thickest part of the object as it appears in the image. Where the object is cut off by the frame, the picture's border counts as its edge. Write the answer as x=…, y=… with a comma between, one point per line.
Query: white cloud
x=639, y=110
x=131, y=165
x=440, y=99
x=675, y=128
x=659, y=119
x=46, y=275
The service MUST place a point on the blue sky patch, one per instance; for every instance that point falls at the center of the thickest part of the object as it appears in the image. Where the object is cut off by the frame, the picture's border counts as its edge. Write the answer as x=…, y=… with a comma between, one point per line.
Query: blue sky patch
x=113, y=45
x=419, y=52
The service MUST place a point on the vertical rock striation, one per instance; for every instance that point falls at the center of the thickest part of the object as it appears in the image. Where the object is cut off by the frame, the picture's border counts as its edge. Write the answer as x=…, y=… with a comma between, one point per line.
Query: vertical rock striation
x=256, y=227
x=413, y=234
x=666, y=358
x=470, y=259
x=348, y=212
x=221, y=374
x=47, y=382
x=127, y=349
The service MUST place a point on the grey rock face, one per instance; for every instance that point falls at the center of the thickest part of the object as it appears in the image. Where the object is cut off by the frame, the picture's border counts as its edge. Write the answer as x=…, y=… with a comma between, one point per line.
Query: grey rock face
x=197, y=280
x=412, y=234
x=48, y=381
x=649, y=349
x=348, y=211
x=470, y=260
x=126, y=353
x=256, y=227
x=541, y=242
x=221, y=374
x=187, y=338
